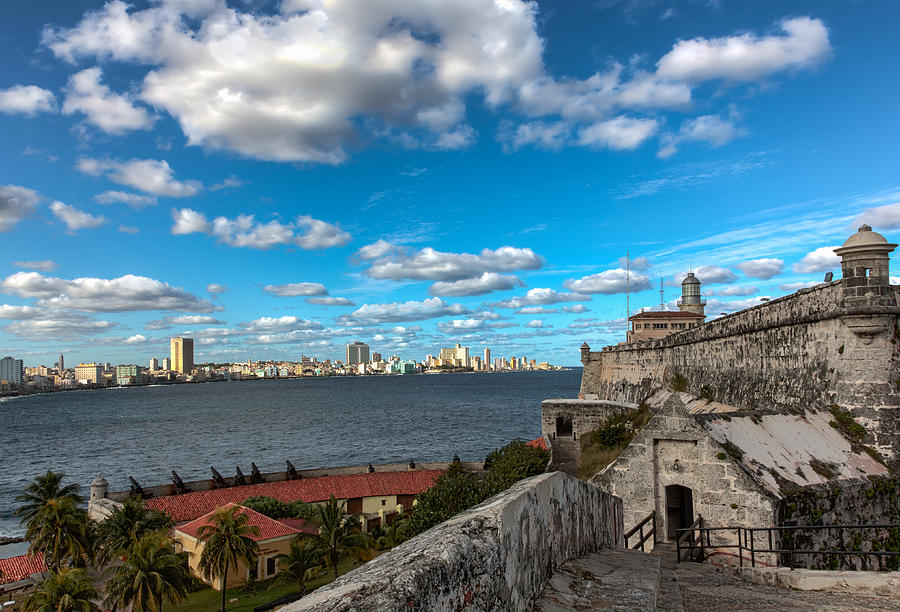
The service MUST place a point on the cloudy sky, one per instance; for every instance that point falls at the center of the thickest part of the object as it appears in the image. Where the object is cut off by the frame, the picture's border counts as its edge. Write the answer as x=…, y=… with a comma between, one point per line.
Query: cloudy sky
x=281, y=178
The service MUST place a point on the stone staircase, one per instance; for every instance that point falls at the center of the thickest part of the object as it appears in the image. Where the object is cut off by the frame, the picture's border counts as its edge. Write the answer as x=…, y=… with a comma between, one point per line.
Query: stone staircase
x=565, y=455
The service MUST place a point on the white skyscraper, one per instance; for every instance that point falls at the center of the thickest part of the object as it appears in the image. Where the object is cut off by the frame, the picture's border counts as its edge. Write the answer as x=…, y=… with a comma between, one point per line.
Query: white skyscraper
x=154, y=364
x=12, y=370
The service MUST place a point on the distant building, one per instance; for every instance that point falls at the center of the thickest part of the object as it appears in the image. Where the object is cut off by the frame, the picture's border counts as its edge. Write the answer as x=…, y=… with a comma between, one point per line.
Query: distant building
x=456, y=356
x=656, y=324
x=376, y=357
x=358, y=352
x=90, y=373
x=129, y=375
x=182, y=351
x=12, y=371
x=62, y=364
x=166, y=363
x=487, y=358
x=154, y=364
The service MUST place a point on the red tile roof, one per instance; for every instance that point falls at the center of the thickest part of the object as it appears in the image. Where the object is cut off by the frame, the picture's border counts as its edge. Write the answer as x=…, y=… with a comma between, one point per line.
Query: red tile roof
x=269, y=528
x=21, y=567
x=188, y=506
x=537, y=443
x=666, y=314
x=300, y=525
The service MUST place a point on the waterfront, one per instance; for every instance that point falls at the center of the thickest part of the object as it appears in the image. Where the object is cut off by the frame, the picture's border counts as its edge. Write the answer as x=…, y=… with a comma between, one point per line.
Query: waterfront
x=146, y=432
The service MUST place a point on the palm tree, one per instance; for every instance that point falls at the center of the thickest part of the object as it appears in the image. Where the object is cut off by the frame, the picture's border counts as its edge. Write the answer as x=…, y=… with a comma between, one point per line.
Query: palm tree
x=296, y=564
x=60, y=530
x=227, y=541
x=69, y=590
x=337, y=537
x=44, y=488
x=126, y=525
x=151, y=571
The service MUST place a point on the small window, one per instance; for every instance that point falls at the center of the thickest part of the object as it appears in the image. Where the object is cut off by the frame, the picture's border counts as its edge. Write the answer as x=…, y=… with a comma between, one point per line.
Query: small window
x=270, y=566
x=383, y=502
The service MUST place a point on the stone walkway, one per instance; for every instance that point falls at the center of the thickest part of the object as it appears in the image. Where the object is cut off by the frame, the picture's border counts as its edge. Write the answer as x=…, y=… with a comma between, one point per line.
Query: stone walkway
x=565, y=455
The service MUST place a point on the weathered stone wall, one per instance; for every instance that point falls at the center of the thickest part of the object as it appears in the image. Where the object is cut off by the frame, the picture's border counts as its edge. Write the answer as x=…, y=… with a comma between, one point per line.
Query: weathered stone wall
x=868, y=502
x=496, y=556
x=723, y=494
x=798, y=352
x=585, y=415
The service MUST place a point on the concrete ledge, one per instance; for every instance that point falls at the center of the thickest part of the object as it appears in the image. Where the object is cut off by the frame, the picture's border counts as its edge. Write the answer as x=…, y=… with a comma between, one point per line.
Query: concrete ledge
x=497, y=556
x=885, y=584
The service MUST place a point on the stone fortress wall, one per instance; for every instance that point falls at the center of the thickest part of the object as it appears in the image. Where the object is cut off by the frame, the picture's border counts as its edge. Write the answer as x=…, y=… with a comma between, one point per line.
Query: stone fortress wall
x=830, y=344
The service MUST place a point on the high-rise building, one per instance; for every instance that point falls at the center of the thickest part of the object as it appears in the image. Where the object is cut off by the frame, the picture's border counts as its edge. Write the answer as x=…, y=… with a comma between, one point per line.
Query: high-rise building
x=487, y=358
x=154, y=364
x=358, y=352
x=89, y=372
x=166, y=364
x=62, y=363
x=129, y=375
x=12, y=370
x=182, y=351
x=457, y=356
x=376, y=357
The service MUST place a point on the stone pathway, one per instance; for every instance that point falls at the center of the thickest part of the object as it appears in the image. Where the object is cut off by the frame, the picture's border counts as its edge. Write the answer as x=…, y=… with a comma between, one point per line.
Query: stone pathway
x=565, y=455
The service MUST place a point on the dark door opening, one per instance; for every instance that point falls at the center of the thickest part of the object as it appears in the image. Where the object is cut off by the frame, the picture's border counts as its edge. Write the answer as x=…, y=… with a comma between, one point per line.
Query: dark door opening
x=563, y=426
x=679, y=509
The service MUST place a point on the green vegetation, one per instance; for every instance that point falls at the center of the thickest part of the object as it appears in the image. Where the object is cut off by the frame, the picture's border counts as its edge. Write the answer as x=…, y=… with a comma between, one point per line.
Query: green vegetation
x=678, y=383
x=706, y=393
x=721, y=456
x=823, y=468
x=300, y=563
x=339, y=534
x=126, y=525
x=67, y=590
x=732, y=450
x=603, y=445
x=843, y=422
x=228, y=541
x=151, y=571
x=277, y=509
x=734, y=506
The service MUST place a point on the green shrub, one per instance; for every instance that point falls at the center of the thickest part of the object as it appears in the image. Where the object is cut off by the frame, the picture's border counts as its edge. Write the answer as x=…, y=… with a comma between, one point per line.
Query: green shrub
x=678, y=383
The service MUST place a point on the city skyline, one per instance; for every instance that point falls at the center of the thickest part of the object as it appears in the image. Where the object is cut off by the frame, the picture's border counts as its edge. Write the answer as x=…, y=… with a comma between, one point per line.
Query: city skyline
x=390, y=182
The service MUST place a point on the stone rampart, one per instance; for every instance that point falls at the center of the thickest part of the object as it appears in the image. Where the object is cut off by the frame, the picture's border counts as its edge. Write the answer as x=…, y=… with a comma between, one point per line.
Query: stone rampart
x=498, y=555
x=583, y=415
x=802, y=351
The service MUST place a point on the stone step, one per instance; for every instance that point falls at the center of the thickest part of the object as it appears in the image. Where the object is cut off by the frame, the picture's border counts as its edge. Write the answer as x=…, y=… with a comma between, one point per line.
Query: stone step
x=612, y=579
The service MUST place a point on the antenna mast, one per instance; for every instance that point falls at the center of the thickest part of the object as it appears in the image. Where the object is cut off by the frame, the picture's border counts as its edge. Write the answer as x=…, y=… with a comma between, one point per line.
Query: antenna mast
x=662, y=299
x=627, y=287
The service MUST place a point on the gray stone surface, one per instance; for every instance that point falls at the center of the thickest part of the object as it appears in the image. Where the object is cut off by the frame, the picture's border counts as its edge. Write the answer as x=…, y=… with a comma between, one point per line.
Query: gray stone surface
x=586, y=415
x=624, y=580
x=496, y=556
x=886, y=584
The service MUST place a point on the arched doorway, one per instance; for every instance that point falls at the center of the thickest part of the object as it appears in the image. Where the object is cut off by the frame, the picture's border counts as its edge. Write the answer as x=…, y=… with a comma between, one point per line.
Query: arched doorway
x=679, y=509
x=563, y=426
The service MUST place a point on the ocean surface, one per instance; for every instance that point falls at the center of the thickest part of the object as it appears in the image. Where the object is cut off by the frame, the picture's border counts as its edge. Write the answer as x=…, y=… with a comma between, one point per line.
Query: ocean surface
x=147, y=432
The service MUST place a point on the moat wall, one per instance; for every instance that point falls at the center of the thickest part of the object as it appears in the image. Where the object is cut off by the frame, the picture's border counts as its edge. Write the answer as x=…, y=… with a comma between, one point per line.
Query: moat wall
x=800, y=352
x=498, y=555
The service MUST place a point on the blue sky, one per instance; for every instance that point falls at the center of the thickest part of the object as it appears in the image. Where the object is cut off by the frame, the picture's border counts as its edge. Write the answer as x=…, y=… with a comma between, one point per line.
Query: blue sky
x=281, y=178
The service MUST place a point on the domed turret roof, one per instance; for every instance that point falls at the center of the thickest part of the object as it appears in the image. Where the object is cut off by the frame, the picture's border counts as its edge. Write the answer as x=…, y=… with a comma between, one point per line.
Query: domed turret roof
x=99, y=481
x=867, y=240
x=690, y=279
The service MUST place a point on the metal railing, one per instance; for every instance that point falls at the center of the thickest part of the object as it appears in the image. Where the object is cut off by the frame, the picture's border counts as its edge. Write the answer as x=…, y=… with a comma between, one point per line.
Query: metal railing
x=639, y=529
x=753, y=541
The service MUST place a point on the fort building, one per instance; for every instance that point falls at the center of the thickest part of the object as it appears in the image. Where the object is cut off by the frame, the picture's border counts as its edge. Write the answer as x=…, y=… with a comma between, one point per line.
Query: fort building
x=657, y=324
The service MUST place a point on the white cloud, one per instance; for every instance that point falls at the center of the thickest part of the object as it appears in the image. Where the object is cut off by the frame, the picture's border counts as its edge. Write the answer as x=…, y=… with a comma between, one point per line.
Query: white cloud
x=16, y=203
x=111, y=112
x=533, y=310
x=822, y=259
x=330, y=301
x=545, y=135
x=609, y=282
x=8, y=311
x=634, y=263
x=798, y=285
x=122, y=294
x=479, y=285
x=188, y=221
x=136, y=339
x=541, y=297
x=295, y=289
x=462, y=326
x=709, y=275
x=620, y=133
x=715, y=307
x=74, y=218
x=764, y=268
x=747, y=57
x=133, y=200
x=44, y=265
x=53, y=329
x=231, y=182
x=576, y=308
x=195, y=320
x=397, y=263
x=148, y=175
x=216, y=288
x=711, y=129
x=405, y=311
x=128, y=229
x=280, y=324
x=245, y=231
x=736, y=291
x=26, y=100
x=885, y=217
x=536, y=323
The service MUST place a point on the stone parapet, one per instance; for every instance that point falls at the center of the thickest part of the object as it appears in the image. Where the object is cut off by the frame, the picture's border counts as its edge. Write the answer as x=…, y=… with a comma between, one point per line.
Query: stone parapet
x=498, y=555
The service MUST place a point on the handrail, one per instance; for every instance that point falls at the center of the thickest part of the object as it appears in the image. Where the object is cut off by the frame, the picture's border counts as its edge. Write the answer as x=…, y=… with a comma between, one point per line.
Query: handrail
x=640, y=528
x=747, y=542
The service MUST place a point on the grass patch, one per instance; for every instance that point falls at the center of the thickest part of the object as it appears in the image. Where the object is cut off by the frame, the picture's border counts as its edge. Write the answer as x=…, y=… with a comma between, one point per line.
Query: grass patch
x=603, y=445
x=843, y=422
x=247, y=599
x=678, y=383
x=823, y=468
